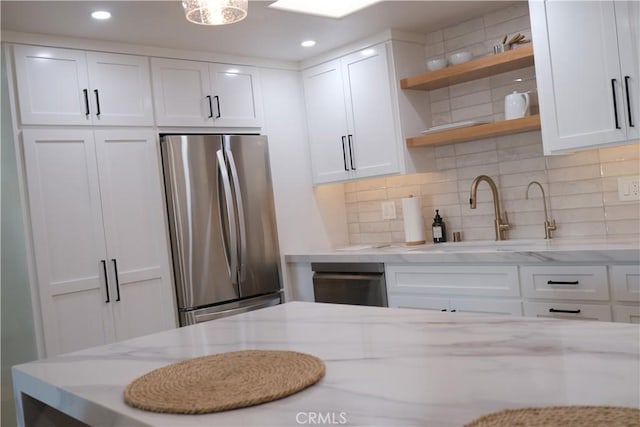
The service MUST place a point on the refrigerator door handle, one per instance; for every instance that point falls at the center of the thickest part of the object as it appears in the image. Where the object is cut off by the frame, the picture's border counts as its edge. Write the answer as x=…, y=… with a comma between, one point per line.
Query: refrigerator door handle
x=240, y=214
x=231, y=254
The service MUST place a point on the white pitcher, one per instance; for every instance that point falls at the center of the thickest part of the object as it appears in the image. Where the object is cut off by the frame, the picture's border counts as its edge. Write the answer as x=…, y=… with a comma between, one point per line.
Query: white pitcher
x=516, y=105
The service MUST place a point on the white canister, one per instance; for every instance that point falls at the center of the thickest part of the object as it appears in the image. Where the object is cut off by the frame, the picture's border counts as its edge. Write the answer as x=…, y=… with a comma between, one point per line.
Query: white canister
x=516, y=105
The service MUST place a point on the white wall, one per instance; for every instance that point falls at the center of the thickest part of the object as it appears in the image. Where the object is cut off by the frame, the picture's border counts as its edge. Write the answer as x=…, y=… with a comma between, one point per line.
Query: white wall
x=307, y=218
x=18, y=336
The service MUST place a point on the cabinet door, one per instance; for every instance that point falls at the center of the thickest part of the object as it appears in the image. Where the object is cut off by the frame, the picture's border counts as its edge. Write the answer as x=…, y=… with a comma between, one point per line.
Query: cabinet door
x=180, y=90
x=578, y=74
x=120, y=89
x=131, y=189
x=52, y=86
x=68, y=236
x=628, y=24
x=372, y=128
x=237, y=99
x=326, y=122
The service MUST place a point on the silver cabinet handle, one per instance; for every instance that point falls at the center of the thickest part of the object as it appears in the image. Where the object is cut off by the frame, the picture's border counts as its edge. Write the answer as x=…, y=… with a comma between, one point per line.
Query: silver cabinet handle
x=231, y=251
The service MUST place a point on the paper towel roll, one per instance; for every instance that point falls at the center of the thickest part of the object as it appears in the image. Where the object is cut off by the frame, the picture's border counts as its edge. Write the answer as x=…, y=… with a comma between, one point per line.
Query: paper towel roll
x=413, y=222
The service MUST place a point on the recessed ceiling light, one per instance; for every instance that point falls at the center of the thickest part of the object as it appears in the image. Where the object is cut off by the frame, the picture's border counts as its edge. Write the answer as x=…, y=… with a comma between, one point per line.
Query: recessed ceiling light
x=308, y=43
x=100, y=14
x=328, y=8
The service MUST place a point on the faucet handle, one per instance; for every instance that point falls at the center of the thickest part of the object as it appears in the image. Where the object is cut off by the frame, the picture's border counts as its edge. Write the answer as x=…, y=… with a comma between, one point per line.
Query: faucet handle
x=504, y=224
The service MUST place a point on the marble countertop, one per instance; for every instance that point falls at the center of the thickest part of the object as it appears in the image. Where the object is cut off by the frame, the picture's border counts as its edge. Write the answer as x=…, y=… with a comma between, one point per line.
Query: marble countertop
x=384, y=366
x=506, y=251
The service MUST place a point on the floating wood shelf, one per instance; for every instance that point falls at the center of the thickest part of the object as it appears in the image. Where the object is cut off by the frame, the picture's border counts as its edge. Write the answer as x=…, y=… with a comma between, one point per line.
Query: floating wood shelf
x=472, y=70
x=488, y=130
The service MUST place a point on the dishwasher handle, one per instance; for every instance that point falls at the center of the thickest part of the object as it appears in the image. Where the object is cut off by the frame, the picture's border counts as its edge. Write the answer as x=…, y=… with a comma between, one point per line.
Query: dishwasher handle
x=342, y=276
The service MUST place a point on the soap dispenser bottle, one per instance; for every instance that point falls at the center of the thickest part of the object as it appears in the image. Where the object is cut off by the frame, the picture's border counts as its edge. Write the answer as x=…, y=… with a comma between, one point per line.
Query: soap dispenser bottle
x=439, y=229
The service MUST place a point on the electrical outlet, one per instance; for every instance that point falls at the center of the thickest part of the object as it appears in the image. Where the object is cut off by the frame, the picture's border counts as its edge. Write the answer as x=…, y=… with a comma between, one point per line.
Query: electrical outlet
x=629, y=188
x=388, y=210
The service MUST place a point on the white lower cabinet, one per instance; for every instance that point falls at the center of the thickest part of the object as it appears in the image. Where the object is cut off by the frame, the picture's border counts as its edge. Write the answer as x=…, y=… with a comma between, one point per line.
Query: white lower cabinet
x=451, y=288
x=625, y=286
x=557, y=291
x=100, y=246
x=454, y=304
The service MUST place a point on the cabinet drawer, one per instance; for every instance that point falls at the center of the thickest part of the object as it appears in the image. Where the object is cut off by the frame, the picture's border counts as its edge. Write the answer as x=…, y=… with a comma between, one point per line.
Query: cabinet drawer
x=419, y=301
x=562, y=310
x=625, y=282
x=468, y=305
x=626, y=314
x=467, y=280
x=565, y=282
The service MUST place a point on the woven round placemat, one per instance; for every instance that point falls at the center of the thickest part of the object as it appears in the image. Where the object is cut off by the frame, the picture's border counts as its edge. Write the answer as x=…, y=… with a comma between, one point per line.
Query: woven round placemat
x=561, y=416
x=224, y=381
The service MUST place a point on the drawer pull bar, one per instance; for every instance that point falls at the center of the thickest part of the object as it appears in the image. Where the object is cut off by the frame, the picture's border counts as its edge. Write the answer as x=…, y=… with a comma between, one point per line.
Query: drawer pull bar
x=553, y=310
x=553, y=282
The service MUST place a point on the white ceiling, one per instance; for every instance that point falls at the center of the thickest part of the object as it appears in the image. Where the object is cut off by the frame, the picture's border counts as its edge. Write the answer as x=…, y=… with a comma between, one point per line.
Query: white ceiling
x=265, y=33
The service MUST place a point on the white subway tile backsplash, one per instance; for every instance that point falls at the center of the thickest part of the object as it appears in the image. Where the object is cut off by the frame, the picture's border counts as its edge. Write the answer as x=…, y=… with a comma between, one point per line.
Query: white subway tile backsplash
x=470, y=87
x=526, y=165
x=623, y=152
x=464, y=41
x=576, y=187
x=463, y=28
x=475, y=112
x=506, y=14
x=590, y=157
x=476, y=98
x=577, y=201
x=581, y=188
x=474, y=159
x=621, y=168
x=623, y=228
x=367, y=195
x=573, y=173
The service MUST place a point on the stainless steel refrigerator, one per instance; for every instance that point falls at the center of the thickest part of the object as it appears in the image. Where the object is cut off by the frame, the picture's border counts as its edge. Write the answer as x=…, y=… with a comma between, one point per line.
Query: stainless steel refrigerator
x=222, y=224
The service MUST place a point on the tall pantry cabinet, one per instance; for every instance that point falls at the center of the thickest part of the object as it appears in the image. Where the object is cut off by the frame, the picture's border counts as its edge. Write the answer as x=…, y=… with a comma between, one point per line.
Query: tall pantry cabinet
x=94, y=196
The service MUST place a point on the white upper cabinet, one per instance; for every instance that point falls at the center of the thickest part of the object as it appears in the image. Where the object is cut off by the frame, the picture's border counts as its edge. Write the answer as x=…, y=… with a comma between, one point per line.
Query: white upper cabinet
x=192, y=93
x=327, y=122
x=350, y=116
x=121, y=89
x=99, y=236
x=586, y=60
x=72, y=87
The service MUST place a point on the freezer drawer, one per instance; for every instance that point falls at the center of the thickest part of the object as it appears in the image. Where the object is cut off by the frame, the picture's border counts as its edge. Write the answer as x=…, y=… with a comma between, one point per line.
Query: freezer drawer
x=192, y=317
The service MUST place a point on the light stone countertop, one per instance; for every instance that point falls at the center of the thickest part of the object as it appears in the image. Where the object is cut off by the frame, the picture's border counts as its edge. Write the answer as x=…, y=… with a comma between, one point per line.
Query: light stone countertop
x=384, y=366
x=506, y=251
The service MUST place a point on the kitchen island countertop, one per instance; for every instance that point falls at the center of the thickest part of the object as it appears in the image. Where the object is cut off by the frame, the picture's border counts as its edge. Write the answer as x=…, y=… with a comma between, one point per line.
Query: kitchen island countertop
x=383, y=367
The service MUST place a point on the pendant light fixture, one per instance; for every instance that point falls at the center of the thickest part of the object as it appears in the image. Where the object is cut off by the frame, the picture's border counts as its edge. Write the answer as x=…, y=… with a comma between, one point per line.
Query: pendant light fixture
x=215, y=12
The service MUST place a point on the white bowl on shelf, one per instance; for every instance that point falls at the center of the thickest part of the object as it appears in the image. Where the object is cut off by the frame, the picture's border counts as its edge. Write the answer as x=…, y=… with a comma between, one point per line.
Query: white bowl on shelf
x=460, y=57
x=436, y=64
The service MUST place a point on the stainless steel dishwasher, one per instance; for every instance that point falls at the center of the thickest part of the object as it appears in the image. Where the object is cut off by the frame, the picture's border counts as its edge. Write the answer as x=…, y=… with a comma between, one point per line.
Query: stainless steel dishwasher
x=350, y=283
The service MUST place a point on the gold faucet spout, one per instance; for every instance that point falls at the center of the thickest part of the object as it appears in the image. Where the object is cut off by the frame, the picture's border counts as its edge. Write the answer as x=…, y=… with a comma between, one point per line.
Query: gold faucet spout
x=500, y=225
x=549, y=226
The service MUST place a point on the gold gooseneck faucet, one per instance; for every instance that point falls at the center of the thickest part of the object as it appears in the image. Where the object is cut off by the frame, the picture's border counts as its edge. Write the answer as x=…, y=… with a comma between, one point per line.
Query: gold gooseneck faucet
x=500, y=225
x=549, y=226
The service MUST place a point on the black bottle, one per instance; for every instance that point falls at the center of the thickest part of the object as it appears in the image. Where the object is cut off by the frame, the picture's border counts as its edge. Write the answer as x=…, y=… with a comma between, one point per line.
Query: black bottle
x=438, y=229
